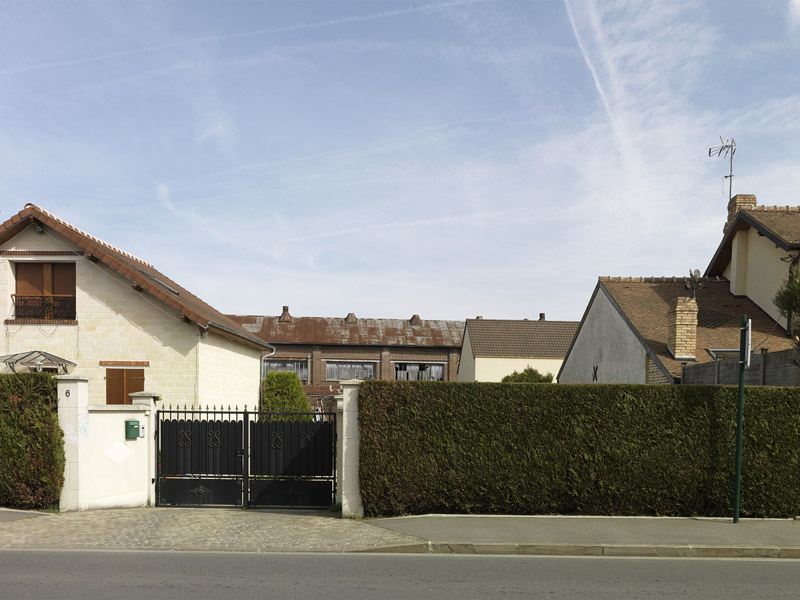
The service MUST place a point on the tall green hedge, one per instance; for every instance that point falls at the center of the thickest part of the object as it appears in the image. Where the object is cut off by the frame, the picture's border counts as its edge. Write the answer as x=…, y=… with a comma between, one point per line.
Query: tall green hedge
x=31, y=442
x=575, y=449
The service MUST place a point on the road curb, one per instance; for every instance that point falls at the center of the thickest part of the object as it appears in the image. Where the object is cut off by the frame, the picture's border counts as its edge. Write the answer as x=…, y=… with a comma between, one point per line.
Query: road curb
x=618, y=550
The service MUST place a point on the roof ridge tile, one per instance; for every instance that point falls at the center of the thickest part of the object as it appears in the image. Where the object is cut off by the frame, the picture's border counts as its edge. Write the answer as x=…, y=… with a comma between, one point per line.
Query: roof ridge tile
x=90, y=236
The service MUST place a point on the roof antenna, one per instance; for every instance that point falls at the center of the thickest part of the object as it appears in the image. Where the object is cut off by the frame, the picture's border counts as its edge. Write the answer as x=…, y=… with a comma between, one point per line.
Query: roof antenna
x=695, y=282
x=728, y=148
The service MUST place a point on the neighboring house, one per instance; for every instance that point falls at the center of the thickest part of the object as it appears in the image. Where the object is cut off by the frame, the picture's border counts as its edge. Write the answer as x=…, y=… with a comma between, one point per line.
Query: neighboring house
x=74, y=303
x=643, y=329
x=760, y=245
x=326, y=350
x=495, y=348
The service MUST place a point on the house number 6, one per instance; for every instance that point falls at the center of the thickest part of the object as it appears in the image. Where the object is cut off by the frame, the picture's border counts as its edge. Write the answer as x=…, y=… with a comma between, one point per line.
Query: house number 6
x=67, y=393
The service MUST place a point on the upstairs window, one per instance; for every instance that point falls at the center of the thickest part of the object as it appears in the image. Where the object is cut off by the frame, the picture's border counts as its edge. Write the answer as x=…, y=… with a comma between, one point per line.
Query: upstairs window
x=418, y=372
x=292, y=366
x=335, y=371
x=45, y=291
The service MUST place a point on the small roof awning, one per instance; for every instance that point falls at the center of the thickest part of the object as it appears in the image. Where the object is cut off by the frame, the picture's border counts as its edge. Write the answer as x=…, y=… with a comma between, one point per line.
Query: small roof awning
x=36, y=360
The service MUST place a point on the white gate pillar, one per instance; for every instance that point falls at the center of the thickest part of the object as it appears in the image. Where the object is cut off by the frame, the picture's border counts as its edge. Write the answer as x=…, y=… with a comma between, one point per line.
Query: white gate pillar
x=348, y=493
x=73, y=417
x=149, y=401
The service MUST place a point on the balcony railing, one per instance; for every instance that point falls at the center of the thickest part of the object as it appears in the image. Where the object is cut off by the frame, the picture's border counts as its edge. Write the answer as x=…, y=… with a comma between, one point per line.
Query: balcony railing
x=44, y=307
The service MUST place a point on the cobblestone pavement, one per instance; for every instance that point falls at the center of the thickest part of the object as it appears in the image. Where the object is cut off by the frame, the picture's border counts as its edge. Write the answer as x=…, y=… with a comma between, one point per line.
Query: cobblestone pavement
x=215, y=530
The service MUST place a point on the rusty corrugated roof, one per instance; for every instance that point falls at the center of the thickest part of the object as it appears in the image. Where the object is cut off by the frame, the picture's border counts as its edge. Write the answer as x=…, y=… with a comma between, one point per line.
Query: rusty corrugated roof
x=141, y=273
x=520, y=339
x=413, y=332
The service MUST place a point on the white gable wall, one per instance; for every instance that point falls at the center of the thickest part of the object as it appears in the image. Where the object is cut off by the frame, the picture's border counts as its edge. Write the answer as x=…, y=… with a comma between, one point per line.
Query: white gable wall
x=606, y=341
x=117, y=323
x=466, y=366
x=756, y=270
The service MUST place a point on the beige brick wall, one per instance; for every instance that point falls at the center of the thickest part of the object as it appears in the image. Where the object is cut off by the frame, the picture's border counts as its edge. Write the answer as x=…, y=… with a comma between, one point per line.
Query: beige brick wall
x=230, y=373
x=117, y=323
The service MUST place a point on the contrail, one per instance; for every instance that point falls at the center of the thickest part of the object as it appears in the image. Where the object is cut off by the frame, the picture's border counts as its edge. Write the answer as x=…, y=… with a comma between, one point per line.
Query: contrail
x=219, y=38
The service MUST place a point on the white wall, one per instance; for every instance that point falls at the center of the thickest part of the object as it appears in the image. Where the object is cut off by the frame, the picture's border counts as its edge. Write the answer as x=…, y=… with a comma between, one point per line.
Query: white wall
x=606, y=341
x=494, y=369
x=119, y=469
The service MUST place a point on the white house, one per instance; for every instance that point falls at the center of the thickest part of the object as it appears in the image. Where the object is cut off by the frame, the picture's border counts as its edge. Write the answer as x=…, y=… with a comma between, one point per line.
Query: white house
x=494, y=348
x=74, y=303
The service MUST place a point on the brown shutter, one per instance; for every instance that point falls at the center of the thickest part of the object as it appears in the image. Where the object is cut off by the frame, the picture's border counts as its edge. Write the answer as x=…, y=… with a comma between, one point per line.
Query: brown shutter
x=134, y=382
x=64, y=279
x=115, y=386
x=30, y=279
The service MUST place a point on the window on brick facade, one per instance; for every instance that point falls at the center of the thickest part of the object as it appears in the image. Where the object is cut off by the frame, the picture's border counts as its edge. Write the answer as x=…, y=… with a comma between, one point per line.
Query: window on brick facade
x=121, y=382
x=44, y=290
x=349, y=370
x=292, y=366
x=418, y=372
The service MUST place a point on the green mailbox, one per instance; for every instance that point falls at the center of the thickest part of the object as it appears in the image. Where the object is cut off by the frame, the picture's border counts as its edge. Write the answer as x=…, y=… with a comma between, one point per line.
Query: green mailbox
x=131, y=430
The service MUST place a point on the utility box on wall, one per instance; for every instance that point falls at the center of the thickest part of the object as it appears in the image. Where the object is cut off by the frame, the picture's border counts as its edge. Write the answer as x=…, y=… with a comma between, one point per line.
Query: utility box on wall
x=131, y=430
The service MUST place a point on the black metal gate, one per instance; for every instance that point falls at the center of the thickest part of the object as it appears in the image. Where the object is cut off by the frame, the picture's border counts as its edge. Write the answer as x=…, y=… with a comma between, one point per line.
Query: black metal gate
x=248, y=459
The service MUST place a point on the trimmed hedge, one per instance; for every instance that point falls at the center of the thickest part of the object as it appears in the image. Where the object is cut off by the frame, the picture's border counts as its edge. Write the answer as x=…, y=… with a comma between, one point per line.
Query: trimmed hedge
x=31, y=442
x=432, y=447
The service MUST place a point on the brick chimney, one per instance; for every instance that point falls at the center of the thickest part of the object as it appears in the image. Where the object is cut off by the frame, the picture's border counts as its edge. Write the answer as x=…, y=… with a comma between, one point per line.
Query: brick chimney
x=285, y=316
x=737, y=203
x=541, y=316
x=683, y=329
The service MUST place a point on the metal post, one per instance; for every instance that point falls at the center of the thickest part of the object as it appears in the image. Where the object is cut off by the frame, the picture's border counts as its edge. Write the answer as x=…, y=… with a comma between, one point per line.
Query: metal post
x=246, y=459
x=740, y=419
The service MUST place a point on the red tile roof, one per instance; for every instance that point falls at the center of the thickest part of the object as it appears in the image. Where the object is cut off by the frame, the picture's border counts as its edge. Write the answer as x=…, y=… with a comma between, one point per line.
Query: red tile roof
x=143, y=275
x=645, y=303
x=520, y=339
x=353, y=331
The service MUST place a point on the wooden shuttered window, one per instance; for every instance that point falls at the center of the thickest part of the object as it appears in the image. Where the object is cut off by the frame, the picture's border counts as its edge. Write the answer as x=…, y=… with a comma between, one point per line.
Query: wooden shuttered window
x=121, y=382
x=45, y=290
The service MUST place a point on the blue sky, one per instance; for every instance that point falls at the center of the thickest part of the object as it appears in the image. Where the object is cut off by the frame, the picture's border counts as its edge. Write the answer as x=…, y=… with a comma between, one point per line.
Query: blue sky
x=445, y=158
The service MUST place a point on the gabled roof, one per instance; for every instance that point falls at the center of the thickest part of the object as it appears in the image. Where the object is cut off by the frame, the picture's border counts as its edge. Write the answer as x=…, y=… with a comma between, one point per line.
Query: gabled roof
x=780, y=224
x=644, y=302
x=497, y=338
x=354, y=331
x=143, y=276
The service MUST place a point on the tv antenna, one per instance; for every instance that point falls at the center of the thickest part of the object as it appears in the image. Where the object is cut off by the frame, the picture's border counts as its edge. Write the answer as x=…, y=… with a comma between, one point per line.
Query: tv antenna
x=727, y=149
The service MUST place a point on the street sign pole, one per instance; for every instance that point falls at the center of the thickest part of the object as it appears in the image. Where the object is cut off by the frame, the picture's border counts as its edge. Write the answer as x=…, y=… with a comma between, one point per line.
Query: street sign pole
x=744, y=361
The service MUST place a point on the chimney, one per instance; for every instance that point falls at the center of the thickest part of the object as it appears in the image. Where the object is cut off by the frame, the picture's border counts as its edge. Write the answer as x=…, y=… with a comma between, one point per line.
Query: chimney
x=737, y=203
x=415, y=320
x=541, y=316
x=351, y=319
x=285, y=316
x=683, y=329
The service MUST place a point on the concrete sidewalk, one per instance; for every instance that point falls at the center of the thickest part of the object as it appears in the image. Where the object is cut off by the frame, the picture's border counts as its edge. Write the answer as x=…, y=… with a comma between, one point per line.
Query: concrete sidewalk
x=236, y=530
x=601, y=536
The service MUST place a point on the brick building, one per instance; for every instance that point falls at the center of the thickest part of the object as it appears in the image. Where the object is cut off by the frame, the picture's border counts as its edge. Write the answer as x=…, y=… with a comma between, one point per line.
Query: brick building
x=326, y=350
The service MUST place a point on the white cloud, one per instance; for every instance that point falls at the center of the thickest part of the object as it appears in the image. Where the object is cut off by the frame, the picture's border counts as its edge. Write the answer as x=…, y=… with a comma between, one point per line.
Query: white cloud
x=794, y=15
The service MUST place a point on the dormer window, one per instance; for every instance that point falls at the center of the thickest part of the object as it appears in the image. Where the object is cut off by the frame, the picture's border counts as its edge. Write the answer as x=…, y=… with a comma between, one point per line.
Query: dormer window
x=45, y=291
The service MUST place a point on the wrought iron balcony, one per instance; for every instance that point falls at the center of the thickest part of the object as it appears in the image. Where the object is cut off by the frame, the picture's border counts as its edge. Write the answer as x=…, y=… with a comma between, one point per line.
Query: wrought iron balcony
x=44, y=307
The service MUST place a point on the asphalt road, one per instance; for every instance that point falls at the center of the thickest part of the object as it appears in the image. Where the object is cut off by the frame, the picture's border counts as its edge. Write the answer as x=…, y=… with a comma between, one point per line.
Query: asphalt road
x=198, y=575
